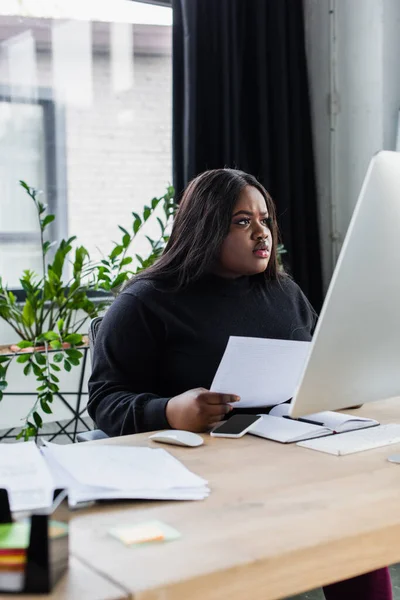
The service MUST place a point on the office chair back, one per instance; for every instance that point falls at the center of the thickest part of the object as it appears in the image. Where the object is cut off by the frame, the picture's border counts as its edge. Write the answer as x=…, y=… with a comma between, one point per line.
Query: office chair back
x=93, y=331
x=96, y=434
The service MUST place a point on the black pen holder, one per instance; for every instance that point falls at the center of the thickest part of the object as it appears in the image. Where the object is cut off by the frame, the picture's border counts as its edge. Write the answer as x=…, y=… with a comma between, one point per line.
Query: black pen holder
x=46, y=554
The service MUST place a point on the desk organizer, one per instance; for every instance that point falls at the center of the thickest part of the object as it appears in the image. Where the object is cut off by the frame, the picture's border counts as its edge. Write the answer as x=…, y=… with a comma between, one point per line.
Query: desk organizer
x=34, y=566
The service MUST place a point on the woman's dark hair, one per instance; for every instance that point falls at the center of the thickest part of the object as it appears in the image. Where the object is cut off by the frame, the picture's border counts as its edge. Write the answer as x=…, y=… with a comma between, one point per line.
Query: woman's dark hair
x=201, y=224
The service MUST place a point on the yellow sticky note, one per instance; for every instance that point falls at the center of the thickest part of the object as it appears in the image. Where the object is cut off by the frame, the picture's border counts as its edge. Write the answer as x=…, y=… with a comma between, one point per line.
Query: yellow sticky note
x=144, y=533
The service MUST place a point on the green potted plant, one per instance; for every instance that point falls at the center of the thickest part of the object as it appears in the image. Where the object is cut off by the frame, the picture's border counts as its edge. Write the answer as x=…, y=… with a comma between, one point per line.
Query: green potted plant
x=51, y=320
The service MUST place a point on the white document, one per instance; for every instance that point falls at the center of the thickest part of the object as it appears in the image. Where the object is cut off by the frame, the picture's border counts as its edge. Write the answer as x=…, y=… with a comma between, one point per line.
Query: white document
x=336, y=422
x=111, y=472
x=262, y=371
x=286, y=431
x=26, y=477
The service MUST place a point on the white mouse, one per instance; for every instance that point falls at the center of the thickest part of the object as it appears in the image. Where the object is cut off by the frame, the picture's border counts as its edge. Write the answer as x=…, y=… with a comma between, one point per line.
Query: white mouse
x=178, y=438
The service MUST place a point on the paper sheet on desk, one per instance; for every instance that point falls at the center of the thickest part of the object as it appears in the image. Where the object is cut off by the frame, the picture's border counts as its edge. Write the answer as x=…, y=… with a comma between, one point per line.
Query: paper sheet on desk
x=25, y=476
x=263, y=372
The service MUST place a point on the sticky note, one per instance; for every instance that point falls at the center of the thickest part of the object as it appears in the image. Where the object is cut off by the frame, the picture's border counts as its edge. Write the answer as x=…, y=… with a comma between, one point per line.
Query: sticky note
x=14, y=535
x=144, y=533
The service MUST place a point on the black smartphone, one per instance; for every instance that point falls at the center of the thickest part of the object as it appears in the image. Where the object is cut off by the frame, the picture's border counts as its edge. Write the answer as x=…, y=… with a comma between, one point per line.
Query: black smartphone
x=236, y=426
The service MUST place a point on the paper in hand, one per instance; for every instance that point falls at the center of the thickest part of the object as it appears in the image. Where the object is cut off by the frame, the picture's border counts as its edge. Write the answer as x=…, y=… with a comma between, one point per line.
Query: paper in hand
x=262, y=371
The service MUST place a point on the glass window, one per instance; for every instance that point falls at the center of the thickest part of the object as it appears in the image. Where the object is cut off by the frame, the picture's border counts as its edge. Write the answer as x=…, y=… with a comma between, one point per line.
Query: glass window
x=85, y=116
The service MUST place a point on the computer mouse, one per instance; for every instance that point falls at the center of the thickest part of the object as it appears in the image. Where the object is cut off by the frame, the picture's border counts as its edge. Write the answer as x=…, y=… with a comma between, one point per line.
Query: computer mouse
x=178, y=438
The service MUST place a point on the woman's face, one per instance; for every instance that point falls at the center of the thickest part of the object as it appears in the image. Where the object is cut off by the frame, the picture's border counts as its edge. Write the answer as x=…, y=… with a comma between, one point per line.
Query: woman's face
x=247, y=248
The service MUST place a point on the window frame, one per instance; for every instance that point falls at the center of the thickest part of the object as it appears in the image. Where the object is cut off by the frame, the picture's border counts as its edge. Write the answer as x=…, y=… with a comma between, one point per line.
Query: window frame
x=55, y=163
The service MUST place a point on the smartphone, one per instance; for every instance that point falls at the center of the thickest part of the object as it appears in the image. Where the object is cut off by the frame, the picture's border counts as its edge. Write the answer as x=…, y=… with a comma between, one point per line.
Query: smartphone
x=236, y=426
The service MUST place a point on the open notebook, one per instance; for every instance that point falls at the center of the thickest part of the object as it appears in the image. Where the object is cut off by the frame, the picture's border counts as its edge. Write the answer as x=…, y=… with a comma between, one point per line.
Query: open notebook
x=279, y=427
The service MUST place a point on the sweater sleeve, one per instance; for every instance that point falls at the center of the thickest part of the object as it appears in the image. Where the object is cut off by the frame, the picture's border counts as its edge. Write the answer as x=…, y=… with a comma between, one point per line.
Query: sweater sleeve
x=127, y=352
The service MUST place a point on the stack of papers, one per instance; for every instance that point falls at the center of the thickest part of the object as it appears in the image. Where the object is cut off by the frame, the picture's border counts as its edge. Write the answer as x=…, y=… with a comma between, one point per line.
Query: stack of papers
x=24, y=474
x=93, y=473
x=121, y=472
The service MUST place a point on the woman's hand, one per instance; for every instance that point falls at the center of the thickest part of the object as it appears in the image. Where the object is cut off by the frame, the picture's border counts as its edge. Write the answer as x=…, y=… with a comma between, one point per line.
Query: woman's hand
x=198, y=410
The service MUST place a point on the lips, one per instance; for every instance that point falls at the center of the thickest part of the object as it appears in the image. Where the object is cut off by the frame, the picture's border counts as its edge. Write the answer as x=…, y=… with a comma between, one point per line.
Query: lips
x=262, y=250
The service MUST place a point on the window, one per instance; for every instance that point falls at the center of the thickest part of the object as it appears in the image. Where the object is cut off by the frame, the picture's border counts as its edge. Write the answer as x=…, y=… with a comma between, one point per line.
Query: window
x=85, y=116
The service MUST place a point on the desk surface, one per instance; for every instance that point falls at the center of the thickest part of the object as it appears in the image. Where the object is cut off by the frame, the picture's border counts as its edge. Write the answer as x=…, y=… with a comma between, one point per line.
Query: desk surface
x=80, y=582
x=280, y=520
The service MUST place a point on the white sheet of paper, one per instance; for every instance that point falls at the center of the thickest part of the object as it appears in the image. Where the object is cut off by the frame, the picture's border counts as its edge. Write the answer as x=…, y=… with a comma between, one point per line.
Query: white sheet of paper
x=25, y=475
x=263, y=372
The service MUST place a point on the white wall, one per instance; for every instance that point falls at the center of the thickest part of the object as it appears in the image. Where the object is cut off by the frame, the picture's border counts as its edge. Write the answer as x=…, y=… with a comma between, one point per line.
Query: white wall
x=353, y=48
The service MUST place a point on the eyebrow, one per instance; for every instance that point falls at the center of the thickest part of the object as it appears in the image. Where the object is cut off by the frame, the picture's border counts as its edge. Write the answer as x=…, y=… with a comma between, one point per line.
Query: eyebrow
x=248, y=213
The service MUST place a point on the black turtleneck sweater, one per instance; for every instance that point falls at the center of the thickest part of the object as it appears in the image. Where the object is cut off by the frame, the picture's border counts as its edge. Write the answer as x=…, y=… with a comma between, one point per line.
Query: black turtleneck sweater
x=154, y=344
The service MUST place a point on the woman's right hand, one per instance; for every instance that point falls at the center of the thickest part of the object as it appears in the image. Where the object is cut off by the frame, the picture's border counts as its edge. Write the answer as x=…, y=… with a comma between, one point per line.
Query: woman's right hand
x=198, y=410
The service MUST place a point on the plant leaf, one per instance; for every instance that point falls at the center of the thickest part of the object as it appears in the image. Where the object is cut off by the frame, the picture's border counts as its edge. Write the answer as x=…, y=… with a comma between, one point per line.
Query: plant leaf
x=47, y=220
x=119, y=279
x=40, y=358
x=51, y=336
x=116, y=251
x=23, y=358
x=45, y=407
x=3, y=385
x=28, y=314
x=74, y=361
x=59, y=357
x=73, y=353
x=56, y=345
x=124, y=231
x=74, y=338
x=36, y=369
x=67, y=365
x=27, y=369
x=38, y=419
x=24, y=344
x=126, y=261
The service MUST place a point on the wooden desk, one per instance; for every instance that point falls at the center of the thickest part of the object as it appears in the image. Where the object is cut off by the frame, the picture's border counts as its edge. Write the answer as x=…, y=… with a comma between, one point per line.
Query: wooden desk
x=280, y=520
x=80, y=582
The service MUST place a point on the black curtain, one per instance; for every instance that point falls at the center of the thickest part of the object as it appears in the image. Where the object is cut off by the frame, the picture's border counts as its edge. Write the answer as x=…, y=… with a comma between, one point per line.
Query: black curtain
x=240, y=99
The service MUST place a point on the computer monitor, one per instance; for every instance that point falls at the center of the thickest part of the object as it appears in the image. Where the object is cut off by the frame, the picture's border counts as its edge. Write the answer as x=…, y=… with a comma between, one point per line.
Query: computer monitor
x=355, y=352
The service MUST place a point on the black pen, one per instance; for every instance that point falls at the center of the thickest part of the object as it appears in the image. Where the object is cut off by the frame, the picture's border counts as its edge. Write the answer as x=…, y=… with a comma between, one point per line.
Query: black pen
x=303, y=420
x=310, y=421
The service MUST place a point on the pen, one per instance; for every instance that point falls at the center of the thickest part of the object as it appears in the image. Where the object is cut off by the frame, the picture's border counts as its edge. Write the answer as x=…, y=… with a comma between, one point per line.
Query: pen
x=310, y=421
x=304, y=420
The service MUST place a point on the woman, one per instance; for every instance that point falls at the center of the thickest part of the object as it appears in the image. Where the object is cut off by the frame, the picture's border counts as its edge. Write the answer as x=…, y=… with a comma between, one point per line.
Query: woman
x=161, y=341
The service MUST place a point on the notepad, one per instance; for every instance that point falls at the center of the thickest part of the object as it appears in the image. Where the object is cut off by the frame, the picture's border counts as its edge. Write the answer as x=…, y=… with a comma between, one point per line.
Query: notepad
x=336, y=422
x=285, y=430
x=276, y=426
